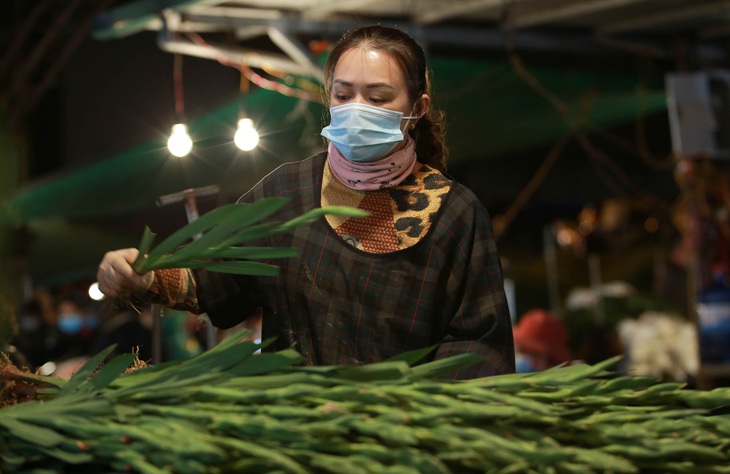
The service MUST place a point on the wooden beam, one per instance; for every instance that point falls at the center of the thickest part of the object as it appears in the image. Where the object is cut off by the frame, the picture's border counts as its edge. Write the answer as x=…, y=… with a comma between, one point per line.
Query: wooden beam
x=133, y=17
x=667, y=17
x=231, y=56
x=715, y=32
x=325, y=7
x=19, y=39
x=58, y=61
x=451, y=8
x=22, y=76
x=235, y=12
x=298, y=53
x=553, y=14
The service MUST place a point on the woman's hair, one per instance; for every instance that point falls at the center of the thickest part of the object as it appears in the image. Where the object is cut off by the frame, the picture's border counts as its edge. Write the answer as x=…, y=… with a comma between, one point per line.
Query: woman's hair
x=428, y=133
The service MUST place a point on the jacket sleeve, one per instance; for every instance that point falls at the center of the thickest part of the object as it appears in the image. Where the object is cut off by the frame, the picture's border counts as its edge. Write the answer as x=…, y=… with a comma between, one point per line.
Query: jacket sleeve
x=226, y=299
x=481, y=322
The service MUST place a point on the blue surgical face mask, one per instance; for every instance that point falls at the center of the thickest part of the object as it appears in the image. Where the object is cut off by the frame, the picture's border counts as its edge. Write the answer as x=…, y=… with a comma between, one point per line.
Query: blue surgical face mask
x=69, y=323
x=364, y=133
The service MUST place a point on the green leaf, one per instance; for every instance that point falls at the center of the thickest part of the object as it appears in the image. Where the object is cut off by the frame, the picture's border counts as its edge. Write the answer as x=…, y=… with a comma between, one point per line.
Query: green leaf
x=38, y=412
x=144, y=246
x=50, y=384
x=209, y=220
x=268, y=229
x=110, y=371
x=387, y=370
x=237, y=337
x=447, y=365
x=237, y=253
x=85, y=372
x=315, y=214
x=268, y=362
x=411, y=357
x=69, y=457
x=229, y=355
x=574, y=372
x=35, y=435
x=259, y=231
x=152, y=373
x=237, y=216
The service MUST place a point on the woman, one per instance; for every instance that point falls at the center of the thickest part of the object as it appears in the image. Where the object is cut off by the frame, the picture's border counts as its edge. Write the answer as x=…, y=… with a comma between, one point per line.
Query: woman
x=421, y=270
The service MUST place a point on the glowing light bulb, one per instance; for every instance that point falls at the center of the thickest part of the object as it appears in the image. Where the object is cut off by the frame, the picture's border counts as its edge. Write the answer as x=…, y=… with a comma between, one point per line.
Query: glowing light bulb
x=180, y=142
x=246, y=137
x=95, y=293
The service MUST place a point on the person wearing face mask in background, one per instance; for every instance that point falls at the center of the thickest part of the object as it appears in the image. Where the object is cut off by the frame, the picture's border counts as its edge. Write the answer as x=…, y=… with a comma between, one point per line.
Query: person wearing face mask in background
x=128, y=330
x=422, y=269
x=73, y=333
x=541, y=341
x=31, y=338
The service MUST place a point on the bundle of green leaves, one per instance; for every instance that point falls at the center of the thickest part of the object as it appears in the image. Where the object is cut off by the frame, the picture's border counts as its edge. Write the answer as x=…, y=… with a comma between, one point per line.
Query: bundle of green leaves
x=215, y=240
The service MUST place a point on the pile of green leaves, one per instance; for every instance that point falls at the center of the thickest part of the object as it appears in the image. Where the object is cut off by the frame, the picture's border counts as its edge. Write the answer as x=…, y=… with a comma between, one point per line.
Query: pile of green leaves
x=232, y=410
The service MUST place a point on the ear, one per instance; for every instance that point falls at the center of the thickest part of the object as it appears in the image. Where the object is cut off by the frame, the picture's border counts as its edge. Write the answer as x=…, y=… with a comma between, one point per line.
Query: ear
x=423, y=103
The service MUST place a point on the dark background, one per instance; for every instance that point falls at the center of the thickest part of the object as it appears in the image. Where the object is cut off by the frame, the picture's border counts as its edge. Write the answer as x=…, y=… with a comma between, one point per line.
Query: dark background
x=113, y=95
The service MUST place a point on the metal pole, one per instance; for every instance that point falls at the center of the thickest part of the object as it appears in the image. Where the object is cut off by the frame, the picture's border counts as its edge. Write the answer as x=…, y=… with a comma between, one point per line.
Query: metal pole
x=156, y=334
x=191, y=210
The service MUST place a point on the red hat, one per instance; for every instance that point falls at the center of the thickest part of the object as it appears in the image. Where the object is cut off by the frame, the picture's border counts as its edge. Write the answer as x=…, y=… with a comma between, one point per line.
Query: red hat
x=542, y=333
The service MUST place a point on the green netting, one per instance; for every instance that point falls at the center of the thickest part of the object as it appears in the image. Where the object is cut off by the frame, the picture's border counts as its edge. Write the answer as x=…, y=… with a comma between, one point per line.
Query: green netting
x=132, y=180
x=491, y=111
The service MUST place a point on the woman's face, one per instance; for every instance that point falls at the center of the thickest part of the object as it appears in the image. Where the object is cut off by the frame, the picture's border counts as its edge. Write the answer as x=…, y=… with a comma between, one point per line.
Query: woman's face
x=368, y=76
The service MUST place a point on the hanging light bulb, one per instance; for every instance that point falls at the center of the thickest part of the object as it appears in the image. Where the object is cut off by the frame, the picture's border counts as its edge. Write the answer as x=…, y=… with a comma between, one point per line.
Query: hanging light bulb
x=95, y=293
x=246, y=137
x=179, y=142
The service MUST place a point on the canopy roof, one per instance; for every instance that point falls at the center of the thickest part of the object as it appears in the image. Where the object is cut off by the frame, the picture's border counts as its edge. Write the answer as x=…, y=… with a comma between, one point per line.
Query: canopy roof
x=491, y=111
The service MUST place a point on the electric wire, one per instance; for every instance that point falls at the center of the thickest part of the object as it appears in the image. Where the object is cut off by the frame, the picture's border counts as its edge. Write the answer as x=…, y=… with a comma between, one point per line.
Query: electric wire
x=254, y=77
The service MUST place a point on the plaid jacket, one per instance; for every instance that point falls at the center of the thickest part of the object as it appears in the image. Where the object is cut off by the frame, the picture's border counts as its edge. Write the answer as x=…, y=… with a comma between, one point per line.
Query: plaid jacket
x=340, y=305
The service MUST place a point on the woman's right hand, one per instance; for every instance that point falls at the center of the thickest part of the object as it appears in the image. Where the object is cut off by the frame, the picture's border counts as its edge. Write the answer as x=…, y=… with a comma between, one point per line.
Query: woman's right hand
x=117, y=278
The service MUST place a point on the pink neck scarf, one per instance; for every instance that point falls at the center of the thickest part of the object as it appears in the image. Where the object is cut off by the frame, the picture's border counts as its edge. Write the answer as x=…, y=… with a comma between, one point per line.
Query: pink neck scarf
x=385, y=173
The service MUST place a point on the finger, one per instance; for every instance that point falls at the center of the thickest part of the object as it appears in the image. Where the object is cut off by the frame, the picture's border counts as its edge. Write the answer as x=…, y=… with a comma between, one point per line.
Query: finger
x=115, y=274
x=109, y=285
x=129, y=255
x=120, y=263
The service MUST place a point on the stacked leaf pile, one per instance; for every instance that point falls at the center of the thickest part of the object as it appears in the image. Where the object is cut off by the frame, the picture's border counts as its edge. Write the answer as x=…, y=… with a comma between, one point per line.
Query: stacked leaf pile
x=231, y=410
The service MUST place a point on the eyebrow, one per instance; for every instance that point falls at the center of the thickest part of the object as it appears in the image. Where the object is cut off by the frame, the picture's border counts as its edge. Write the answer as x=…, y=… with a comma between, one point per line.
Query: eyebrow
x=375, y=85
